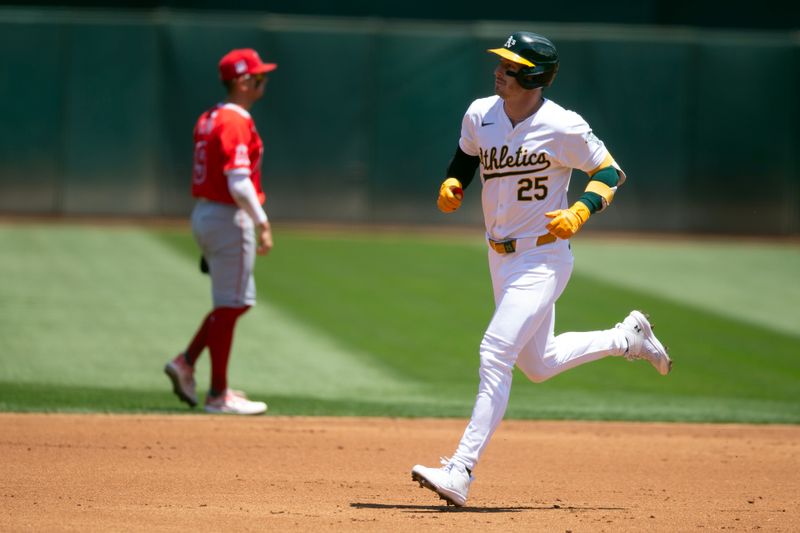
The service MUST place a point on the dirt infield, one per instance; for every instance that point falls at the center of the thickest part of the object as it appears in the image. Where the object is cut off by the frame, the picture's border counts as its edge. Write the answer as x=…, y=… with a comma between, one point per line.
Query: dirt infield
x=203, y=473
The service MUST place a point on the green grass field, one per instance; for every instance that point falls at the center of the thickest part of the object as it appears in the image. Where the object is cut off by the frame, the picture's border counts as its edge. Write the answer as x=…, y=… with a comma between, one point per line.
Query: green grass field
x=389, y=324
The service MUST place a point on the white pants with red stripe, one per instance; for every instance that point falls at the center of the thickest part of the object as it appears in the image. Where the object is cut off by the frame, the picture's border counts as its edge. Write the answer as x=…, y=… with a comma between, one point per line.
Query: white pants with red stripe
x=225, y=236
x=526, y=285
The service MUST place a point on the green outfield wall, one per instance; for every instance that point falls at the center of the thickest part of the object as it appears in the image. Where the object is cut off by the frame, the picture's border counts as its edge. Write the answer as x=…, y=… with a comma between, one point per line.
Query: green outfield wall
x=363, y=114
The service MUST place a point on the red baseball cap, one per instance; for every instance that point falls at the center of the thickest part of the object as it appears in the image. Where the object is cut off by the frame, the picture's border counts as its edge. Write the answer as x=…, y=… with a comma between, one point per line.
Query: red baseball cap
x=242, y=61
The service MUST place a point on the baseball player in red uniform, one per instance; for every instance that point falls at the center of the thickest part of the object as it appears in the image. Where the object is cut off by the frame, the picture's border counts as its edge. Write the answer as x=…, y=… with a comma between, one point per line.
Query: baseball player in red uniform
x=526, y=147
x=230, y=226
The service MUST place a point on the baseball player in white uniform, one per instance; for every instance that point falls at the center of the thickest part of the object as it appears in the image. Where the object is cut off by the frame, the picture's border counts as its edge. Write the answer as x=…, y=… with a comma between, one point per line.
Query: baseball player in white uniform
x=526, y=146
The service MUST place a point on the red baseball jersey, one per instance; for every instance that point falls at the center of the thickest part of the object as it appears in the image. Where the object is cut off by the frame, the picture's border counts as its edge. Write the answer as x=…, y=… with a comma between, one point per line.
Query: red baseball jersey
x=225, y=138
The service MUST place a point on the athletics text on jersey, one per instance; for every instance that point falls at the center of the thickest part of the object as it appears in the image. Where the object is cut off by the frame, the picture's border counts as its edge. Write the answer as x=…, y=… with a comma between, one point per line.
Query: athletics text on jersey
x=525, y=169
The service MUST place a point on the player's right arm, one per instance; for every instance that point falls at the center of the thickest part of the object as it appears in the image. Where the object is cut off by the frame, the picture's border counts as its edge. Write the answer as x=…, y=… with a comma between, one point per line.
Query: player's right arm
x=460, y=171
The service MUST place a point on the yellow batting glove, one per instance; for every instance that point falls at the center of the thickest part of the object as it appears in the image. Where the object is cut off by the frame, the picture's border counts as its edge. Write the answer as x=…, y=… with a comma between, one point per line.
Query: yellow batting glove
x=450, y=195
x=567, y=222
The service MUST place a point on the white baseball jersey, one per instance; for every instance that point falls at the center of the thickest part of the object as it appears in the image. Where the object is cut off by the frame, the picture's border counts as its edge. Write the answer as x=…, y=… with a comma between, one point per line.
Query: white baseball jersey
x=525, y=169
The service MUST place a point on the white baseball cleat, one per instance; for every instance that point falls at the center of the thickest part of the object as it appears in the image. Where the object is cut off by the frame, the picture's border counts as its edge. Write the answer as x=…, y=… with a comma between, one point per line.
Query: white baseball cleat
x=233, y=402
x=643, y=344
x=181, y=374
x=451, y=482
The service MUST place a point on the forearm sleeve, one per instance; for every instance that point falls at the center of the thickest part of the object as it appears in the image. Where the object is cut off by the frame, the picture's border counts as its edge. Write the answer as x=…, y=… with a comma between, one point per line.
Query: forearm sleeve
x=244, y=194
x=462, y=167
x=601, y=189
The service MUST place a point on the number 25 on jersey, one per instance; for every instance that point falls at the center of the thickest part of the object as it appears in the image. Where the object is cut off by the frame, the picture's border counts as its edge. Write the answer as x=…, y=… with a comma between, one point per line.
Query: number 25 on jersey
x=530, y=189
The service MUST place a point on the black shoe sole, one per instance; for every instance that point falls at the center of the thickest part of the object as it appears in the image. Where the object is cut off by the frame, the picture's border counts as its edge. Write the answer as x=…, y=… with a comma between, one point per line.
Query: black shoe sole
x=424, y=483
x=176, y=387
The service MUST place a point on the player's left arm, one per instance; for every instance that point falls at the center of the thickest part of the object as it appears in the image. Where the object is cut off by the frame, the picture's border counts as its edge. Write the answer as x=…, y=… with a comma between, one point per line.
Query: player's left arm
x=598, y=195
x=579, y=148
x=244, y=194
x=602, y=186
x=235, y=140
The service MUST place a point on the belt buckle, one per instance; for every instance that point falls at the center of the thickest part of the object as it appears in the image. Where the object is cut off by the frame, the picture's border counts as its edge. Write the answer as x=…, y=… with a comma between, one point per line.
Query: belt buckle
x=504, y=247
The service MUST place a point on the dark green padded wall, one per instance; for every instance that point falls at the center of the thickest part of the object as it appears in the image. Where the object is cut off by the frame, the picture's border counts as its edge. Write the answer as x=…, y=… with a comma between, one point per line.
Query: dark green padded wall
x=362, y=116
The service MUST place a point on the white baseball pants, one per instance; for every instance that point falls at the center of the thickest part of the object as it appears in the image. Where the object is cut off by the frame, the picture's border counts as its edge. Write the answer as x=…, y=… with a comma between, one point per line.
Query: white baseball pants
x=224, y=234
x=526, y=285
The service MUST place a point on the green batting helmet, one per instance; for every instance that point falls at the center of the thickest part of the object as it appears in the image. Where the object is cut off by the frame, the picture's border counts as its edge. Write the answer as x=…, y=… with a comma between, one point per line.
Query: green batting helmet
x=536, y=54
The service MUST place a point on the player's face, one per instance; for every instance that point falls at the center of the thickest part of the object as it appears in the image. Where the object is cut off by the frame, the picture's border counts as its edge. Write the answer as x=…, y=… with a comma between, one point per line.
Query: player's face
x=250, y=86
x=256, y=84
x=505, y=85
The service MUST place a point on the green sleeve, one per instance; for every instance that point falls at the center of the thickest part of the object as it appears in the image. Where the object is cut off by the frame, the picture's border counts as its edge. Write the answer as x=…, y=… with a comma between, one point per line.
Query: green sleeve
x=594, y=201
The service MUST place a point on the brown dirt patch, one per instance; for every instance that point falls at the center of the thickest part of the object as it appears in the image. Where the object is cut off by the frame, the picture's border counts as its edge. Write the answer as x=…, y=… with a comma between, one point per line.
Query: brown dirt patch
x=171, y=473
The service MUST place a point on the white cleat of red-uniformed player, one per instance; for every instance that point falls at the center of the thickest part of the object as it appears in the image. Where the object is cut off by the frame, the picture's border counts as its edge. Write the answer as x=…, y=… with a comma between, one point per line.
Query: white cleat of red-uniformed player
x=233, y=402
x=181, y=374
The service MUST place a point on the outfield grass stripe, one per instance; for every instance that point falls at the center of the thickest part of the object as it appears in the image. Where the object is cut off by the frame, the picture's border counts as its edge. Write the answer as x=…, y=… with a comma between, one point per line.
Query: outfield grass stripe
x=276, y=354
x=87, y=305
x=553, y=405
x=753, y=283
x=108, y=307
x=364, y=324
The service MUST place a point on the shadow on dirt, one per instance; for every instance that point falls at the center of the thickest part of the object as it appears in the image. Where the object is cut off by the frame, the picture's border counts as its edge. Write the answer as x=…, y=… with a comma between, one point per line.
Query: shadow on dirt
x=453, y=509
